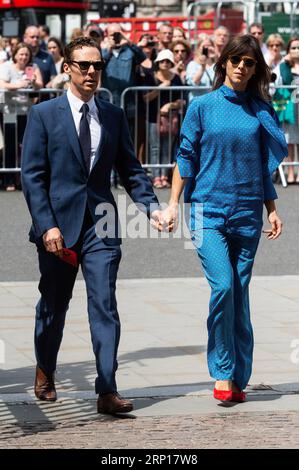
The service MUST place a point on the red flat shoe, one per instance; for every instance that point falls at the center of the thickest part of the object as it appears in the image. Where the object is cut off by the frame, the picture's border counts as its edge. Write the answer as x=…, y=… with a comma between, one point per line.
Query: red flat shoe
x=239, y=397
x=223, y=395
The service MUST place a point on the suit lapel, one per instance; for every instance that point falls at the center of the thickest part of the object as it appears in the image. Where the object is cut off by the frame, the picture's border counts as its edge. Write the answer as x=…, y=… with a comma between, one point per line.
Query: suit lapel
x=70, y=130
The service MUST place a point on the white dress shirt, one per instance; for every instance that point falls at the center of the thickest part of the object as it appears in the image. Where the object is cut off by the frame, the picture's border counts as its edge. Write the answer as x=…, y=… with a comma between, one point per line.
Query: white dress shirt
x=93, y=119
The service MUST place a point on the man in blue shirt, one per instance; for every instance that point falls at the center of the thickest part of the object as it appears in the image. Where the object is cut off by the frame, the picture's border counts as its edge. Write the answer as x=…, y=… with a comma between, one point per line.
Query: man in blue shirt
x=121, y=59
x=41, y=58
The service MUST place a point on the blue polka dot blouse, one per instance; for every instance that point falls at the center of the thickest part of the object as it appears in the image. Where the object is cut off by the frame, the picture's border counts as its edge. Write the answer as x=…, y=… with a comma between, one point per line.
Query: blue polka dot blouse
x=221, y=152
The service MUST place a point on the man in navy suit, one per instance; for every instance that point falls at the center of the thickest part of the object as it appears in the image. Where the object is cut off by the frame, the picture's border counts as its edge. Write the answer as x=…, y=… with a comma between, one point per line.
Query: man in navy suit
x=70, y=145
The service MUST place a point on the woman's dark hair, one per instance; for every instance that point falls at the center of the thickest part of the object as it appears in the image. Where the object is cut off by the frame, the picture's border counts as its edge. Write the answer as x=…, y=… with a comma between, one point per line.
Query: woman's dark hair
x=290, y=62
x=184, y=43
x=153, y=55
x=242, y=45
x=78, y=43
x=150, y=39
x=22, y=45
x=45, y=29
x=155, y=66
x=58, y=44
x=295, y=38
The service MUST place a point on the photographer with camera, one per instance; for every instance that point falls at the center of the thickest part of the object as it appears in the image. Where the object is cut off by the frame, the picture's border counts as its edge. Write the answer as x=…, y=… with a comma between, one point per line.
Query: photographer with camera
x=121, y=57
x=200, y=71
x=148, y=44
x=93, y=31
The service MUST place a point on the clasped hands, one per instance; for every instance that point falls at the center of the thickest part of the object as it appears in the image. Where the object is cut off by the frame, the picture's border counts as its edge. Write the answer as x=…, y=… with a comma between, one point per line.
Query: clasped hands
x=166, y=220
x=163, y=220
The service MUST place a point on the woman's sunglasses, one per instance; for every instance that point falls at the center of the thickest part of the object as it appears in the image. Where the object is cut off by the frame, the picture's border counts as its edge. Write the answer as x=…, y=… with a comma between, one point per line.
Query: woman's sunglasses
x=236, y=59
x=177, y=51
x=84, y=65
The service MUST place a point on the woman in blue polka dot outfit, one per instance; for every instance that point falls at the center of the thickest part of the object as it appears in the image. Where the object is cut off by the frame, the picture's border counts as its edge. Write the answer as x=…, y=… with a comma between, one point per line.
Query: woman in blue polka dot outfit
x=230, y=145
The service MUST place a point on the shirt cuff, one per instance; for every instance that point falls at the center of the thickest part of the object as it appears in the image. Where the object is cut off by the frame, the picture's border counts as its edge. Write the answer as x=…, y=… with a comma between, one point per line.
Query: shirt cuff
x=186, y=167
x=269, y=191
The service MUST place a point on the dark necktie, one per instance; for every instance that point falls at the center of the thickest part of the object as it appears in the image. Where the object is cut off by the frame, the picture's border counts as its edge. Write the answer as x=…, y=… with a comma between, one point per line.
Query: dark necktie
x=84, y=135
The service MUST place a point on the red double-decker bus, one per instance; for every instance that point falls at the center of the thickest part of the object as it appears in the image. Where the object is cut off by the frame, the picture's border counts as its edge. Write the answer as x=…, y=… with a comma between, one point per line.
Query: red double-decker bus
x=60, y=15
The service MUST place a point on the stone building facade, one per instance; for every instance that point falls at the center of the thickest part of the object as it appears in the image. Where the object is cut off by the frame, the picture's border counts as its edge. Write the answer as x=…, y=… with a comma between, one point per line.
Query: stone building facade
x=161, y=7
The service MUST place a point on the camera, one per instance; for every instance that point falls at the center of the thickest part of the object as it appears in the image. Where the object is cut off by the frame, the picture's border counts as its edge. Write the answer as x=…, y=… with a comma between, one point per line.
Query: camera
x=94, y=34
x=151, y=43
x=273, y=77
x=117, y=37
x=205, y=51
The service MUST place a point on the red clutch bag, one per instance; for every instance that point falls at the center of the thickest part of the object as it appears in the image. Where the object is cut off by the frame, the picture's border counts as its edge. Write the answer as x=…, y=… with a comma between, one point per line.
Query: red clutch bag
x=70, y=257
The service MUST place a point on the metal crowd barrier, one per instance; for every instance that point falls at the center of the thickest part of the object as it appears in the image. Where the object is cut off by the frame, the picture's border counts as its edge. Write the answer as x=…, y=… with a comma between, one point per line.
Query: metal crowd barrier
x=14, y=109
x=155, y=150
x=137, y=111
x=295, y=162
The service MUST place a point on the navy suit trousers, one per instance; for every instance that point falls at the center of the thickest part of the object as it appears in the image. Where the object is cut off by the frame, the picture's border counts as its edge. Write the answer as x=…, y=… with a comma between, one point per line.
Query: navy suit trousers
x=99, y=264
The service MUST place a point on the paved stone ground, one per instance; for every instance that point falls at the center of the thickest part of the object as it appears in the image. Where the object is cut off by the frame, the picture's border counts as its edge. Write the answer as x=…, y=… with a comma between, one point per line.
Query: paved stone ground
x=276, y=430
x=162, y=367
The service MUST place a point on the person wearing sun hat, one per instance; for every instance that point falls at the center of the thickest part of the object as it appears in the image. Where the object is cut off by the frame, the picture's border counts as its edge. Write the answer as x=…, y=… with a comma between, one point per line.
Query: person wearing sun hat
x=166, y=54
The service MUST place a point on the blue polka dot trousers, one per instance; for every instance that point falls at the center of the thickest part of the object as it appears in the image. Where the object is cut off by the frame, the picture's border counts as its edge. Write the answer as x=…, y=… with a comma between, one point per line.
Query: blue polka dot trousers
x=227, y=261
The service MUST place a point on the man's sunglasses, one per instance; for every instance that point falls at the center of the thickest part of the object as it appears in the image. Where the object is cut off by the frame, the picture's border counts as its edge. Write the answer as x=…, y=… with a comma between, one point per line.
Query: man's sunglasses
x=236, y=59
x=84, y=65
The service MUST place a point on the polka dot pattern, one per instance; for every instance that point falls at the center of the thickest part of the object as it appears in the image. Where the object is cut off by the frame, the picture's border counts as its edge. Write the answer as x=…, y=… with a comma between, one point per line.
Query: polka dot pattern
x=221, y=150
x=227, y=261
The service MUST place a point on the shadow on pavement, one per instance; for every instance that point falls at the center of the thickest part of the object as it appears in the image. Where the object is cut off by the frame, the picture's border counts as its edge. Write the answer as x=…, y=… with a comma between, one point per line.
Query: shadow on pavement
x=161, y=353
x=21, y=414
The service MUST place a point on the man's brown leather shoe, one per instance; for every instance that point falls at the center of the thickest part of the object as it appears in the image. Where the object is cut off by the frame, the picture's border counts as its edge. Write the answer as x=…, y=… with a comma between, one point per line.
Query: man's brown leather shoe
x=113, y=403
x=44, y=387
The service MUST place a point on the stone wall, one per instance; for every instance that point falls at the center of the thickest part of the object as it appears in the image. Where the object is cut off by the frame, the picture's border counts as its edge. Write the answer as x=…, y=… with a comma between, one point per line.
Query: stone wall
x=160, y=7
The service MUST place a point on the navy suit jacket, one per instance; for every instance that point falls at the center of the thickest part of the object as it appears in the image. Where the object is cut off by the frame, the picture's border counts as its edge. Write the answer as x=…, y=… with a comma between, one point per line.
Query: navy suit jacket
x=55, y=181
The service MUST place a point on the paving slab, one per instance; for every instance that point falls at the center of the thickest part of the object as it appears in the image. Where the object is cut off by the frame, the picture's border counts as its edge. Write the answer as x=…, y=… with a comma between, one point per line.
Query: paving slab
x=162, y=367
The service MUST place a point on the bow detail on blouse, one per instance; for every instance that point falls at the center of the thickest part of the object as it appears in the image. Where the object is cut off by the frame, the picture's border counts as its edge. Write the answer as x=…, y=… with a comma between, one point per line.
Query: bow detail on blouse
x=274, y=143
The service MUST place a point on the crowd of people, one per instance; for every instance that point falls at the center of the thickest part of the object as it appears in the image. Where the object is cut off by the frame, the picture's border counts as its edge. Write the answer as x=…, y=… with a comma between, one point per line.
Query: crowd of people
x=166, y=59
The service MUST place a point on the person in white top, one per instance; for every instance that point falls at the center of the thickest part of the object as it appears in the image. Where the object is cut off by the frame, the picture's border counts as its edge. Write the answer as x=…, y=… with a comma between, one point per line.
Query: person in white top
x=273, y=56
x=3, y=52
x=20, y=73
x=200, y=70
x=15, y=75
x=56, y=50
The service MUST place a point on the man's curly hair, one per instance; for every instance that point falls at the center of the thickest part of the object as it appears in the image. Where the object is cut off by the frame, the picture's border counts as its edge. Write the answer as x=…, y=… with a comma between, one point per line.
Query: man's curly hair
x=79, y=43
